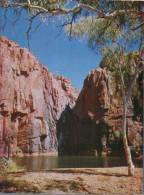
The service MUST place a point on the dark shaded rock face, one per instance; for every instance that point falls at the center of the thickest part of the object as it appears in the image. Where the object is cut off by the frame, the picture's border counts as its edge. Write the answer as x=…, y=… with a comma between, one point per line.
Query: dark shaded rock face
x=31, y=101
x=138, y=99
x=94, y=124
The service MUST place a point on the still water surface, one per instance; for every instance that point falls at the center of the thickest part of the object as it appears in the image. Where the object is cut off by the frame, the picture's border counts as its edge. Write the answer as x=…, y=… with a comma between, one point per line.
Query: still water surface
x=37, y=163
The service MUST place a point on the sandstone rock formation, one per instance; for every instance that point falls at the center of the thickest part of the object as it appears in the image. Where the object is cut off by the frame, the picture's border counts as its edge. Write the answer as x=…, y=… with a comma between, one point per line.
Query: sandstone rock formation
x=31, y=101
x=38, y=108
x=94, y=124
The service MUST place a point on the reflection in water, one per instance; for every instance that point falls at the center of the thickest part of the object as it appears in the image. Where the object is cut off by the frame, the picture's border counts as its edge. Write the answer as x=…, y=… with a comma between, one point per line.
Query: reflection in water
x=105, y=161
x=37, y=163
x=51, y=162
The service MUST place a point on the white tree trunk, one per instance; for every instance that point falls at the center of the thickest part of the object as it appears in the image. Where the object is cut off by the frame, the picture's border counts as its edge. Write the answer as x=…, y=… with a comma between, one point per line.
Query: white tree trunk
x=125, y=142
x=126, y=98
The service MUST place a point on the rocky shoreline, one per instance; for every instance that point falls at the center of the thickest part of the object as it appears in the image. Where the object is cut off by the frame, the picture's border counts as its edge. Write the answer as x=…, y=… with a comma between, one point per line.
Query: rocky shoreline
x=102, y=181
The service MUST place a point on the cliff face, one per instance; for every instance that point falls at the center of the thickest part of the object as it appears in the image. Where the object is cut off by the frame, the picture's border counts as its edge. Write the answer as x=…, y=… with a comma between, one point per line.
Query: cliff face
x=94, y=124
x=31, y=101
x=37, y=107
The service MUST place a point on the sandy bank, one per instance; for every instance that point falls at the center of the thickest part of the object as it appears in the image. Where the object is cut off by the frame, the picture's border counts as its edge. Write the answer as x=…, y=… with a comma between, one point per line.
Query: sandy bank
x=104, y=181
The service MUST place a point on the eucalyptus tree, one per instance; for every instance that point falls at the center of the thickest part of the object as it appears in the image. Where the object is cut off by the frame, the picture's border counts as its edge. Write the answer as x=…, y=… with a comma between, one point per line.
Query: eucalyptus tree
x=116, y=28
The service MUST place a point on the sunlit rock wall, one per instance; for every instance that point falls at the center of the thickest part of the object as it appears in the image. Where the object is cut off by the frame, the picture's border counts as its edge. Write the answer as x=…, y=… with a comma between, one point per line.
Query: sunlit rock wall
x=31, y=102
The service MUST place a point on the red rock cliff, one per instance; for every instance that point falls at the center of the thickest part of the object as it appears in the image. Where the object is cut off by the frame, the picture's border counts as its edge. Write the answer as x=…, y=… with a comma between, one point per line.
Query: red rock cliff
x=31, y=101
x=96, y=120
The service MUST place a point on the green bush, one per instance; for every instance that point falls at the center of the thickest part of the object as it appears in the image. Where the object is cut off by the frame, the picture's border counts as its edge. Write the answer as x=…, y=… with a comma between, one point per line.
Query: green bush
x=8, y=166
x=117, y=134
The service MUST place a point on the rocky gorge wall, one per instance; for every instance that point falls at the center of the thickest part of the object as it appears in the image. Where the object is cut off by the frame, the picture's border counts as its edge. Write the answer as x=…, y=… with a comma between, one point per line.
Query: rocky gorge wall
x=43, y=113
x=94, y=125
x=31, y=101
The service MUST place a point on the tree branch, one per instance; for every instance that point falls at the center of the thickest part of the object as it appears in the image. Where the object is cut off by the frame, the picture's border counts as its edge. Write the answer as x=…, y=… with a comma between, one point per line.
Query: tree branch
x=30, y=27
x=76, y=9
x=137, y=27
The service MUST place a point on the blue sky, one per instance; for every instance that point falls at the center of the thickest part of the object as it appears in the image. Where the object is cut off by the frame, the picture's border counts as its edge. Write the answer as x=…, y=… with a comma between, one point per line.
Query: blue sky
x=70, y=58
